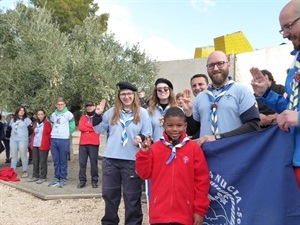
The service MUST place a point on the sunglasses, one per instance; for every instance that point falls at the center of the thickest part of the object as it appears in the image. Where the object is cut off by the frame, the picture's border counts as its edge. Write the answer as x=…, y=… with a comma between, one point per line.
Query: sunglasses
x=164, y=89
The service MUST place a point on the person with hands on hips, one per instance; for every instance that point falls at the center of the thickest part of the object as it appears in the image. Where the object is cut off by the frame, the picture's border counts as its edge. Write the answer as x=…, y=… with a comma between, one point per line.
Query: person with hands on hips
x=288, y=108
x=178, y=172
x=128, y=123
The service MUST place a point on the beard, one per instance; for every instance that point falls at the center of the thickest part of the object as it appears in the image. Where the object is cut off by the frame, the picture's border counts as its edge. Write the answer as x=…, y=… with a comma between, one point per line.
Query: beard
x=219, y=80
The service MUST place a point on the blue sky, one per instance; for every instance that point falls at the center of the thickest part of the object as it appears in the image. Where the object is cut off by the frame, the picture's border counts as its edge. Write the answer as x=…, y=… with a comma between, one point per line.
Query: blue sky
x=172, y=29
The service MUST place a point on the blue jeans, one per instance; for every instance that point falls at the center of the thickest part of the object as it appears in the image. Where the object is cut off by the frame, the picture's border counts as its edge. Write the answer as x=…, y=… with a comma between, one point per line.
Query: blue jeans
x=15, y=147
x=120, y=175
x=59, y=151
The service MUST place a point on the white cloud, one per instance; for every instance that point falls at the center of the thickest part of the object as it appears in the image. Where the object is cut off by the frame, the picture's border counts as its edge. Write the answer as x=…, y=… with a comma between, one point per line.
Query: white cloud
x=202, y=5
x=126, y=31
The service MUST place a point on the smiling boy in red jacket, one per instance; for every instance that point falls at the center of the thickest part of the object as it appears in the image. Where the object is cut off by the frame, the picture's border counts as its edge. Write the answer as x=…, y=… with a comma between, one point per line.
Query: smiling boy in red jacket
x=178, y=172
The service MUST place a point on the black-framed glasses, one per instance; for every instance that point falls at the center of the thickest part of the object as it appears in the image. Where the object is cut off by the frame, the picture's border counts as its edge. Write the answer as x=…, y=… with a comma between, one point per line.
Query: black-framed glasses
x=165, y=89
x=219, y=64
x=288, y=26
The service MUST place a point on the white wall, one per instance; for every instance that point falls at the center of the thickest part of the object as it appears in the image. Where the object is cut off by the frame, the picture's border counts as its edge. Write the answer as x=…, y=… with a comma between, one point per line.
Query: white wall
x=276, y=59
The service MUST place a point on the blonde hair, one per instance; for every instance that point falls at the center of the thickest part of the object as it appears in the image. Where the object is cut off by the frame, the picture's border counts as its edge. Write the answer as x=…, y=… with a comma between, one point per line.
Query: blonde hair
x=119, y=106
x=60, y=99
x=154, y=100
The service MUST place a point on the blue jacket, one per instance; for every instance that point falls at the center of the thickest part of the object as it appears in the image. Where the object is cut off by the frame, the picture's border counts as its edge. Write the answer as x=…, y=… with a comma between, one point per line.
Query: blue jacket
x=278, y=103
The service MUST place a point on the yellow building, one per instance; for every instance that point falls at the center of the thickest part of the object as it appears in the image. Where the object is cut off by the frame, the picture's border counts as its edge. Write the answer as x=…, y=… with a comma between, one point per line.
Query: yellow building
x=234, y=43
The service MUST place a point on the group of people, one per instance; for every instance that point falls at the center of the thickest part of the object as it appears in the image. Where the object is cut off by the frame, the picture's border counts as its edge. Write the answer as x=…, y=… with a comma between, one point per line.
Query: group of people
x=154, y=142
x=158, y=138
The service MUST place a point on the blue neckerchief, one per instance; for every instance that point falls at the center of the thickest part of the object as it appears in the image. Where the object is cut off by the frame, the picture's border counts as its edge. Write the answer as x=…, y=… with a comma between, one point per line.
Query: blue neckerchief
x=125, y=124
x=173, y=153
x=214, y=103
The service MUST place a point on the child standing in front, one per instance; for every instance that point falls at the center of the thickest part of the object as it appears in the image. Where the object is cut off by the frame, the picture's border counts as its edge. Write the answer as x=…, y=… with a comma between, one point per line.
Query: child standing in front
x=178, y=172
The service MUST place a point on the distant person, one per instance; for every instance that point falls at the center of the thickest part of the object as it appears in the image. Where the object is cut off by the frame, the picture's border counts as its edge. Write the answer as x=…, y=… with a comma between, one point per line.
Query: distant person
x=143, y=99
x=63, y=125
x=127, y=123
x=40, y=145
x=267, y=115
x=179, y=174
x=7, y=131
x=88, y=147
x=179, y=100
x=199, y=83
x=19, y=139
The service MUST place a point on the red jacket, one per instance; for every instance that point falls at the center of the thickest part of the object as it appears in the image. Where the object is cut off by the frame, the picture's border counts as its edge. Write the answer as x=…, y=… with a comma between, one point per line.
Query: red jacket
x=179, y=189
x=46, y=136
x=88, y=135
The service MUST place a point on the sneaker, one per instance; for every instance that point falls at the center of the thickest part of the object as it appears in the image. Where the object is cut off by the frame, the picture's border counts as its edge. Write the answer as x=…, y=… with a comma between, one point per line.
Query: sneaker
x=7, y=161
x=62, y=183
x=94, y=184
x=24, y=174
x=19, y=163
x=54, y=183
x=40, y=181
x=81, y=184
x=33, y=179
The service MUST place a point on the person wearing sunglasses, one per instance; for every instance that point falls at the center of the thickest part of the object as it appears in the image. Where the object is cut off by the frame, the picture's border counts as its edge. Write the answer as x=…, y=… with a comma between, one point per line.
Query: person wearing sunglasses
x=162, y=98
x=288, y=118
x=127, y=123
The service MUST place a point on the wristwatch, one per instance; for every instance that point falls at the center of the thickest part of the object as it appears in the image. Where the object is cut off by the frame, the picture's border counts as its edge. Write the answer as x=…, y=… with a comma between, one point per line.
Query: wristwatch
x=218, y=136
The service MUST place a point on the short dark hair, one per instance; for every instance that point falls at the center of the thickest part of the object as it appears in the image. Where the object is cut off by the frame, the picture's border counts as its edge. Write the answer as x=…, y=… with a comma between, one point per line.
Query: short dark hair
x=175, y=111
x=269, y=74
x=200, y=75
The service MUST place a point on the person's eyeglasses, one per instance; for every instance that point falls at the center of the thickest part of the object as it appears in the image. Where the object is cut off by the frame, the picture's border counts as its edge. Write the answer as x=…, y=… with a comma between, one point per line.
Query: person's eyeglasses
x=220, y=64
x=288, y=26
x=60, y=104
x=123, y=95
x=165, y=89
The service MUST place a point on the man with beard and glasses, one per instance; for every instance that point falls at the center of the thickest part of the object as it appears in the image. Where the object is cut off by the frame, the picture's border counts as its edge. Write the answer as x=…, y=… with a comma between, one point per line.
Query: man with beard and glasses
x=288, y=108
x=225, y=109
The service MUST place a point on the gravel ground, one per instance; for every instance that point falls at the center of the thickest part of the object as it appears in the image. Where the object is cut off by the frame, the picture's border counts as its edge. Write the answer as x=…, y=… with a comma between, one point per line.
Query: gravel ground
x=19, y=208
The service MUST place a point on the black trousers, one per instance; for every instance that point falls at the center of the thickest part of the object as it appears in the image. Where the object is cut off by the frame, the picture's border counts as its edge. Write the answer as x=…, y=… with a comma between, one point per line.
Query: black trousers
x=91, y=152
x=39, y=162
x=119, y=175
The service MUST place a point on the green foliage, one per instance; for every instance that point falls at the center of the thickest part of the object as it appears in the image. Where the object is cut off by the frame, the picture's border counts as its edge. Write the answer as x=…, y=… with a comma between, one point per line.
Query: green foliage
x=69, y=13
x=39, y=63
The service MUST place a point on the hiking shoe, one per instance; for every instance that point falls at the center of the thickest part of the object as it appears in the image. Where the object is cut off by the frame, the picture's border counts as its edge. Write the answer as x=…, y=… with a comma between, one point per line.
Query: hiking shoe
x=33, y=179
x=40, y=181
x=24, y=174
x=54, y=183
x=62, y=183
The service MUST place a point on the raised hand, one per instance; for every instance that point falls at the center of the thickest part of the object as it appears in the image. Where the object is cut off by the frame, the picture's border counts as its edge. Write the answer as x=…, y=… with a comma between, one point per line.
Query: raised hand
x=187, y=102
x=100, y=108
x=259, y=82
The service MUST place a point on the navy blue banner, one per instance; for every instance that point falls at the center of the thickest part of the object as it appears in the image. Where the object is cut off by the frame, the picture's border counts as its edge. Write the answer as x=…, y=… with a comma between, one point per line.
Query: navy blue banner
x=252, y=180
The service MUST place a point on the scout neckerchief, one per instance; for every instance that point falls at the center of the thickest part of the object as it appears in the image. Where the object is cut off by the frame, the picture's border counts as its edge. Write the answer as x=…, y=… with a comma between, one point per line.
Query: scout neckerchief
x=38, y=127
x=295, y=85
x=125, y=124
x=173, y=153
x=162, y=113
x=214, y=104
